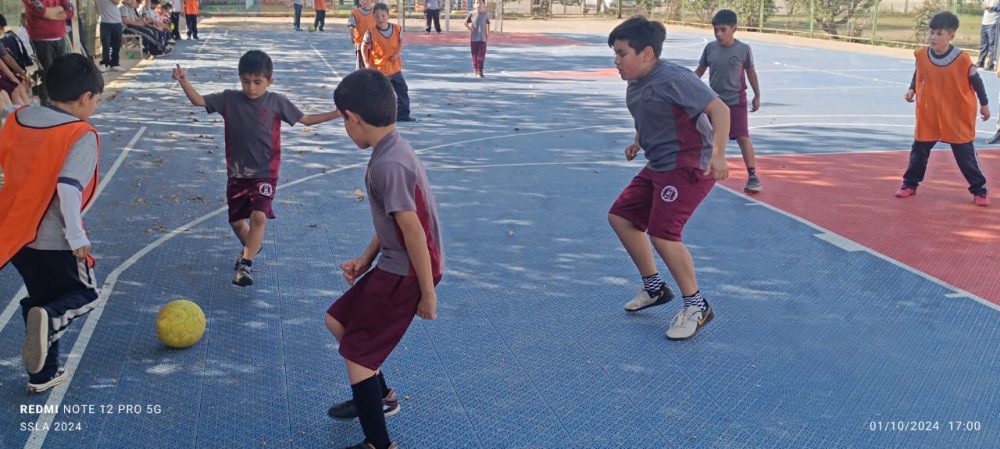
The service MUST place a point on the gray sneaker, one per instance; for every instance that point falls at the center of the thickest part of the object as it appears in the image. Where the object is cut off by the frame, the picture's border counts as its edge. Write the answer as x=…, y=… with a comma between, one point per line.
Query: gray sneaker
x=643, y=300
x=687, y=322
x=994, y=139
x=36, y=340
x=753, y=186
x=346, y=411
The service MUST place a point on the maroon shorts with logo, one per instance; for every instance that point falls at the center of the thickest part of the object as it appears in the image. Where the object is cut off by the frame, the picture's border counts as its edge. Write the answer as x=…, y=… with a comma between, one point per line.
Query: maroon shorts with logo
x=247, y=195
x=375, y=313
x=660, y=203
x=738, y=121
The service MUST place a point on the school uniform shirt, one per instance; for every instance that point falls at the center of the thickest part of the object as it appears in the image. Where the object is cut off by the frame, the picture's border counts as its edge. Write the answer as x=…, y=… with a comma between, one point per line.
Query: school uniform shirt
x=432, y=4
x=727, y=70
x=397, y=182
x=667, y=106
x=253, y=131
x=479, y=23
x=109, y=12
x=381, y=45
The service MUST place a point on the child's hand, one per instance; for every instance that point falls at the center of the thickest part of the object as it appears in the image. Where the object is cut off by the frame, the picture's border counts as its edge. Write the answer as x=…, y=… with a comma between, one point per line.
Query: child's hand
x=354, y=268
x=427, y=307
x=179, y=74
x=82, y=252
x=717, y=167
x=984, y=112
x=631, y=151
x=755, y=105
x=910, y=94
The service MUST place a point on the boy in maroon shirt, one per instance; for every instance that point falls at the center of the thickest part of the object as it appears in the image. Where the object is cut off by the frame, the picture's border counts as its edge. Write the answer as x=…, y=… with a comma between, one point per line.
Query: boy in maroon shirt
x=253, y=119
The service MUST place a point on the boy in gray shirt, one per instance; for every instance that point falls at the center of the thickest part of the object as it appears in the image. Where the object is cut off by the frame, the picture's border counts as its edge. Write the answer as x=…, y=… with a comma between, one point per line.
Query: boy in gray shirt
x=49, y=156
x=253, y=119
x=729, y=60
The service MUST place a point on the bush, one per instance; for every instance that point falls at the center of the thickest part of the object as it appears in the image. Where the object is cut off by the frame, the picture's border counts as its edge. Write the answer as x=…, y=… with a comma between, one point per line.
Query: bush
x=749, y=12
x=923, y=20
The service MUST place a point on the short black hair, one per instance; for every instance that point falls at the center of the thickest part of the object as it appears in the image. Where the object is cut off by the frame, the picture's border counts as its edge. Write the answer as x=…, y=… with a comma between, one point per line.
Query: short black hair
x=640, y=33
x=368, y=93
x=724, y=17
x=72, y=75
x=381, y=6
x=3, y=21
x=256, y=62
x=944, y=20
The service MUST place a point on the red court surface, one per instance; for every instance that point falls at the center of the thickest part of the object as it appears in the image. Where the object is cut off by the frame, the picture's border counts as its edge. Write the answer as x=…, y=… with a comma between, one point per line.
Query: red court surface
x=939, y=231
x=462, y=38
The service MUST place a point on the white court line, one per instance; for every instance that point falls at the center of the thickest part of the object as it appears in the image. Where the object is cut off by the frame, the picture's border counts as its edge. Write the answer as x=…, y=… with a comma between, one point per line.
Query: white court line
x=13, y=305
x=829, y=72
x=44, y=421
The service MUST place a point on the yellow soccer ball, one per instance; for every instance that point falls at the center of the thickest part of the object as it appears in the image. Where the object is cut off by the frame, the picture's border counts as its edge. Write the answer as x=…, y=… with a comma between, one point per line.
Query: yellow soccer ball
x=180, y=323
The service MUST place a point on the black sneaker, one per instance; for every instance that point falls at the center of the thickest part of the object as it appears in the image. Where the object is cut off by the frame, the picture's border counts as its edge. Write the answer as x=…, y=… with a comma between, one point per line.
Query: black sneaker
x=242, y=276
x=363, y=445
x=753, y=185
x=57, y=379
x=346, y=411
x=994, y=139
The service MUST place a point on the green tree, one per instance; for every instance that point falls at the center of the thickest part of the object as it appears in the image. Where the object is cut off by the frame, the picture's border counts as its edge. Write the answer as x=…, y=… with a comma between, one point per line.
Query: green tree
x=749, y=11
x=831, y=15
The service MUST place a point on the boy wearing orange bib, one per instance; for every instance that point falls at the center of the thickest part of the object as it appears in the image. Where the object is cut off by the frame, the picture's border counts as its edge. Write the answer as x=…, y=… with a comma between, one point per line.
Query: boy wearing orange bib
x=48, y=155
x=360, y=21
x=945, y=86
x=382, y=50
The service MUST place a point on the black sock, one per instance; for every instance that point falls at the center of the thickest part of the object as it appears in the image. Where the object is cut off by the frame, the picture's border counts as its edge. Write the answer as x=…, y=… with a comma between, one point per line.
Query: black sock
x=246, y=262
x=368, y=401
x=652, y=284
x=381, y=381
x=752, y=171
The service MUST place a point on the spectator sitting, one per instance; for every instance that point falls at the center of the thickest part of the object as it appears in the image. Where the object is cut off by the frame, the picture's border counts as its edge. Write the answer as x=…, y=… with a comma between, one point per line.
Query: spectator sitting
x=135, y=25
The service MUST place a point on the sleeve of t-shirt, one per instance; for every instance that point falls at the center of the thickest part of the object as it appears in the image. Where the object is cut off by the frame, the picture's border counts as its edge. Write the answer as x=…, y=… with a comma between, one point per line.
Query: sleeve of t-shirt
x=688, y=92
x=215, y=102
x=396, y=185
x=468, y=18
x=704, y=57
x=77, y=172
x=368, y=37
x=748, y=60
x=289, y=112
x=351, y=21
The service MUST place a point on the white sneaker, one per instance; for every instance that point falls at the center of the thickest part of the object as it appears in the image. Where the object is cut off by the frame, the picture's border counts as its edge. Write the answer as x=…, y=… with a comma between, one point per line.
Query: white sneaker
x=688, y=321
x=36, y=340
x=643, y=300
x=103, y=68
x=118, y=68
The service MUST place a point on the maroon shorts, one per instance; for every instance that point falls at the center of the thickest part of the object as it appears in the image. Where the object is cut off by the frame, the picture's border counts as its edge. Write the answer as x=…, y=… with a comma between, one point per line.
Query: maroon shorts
x=247, y=195
x=7, y=85
x=660, y=203
x=375, y=313
x=738, y=126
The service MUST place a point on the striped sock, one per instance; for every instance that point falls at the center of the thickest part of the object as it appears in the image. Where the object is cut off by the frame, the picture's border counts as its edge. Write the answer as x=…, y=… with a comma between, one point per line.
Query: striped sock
x=696, y=300
x=652, y=284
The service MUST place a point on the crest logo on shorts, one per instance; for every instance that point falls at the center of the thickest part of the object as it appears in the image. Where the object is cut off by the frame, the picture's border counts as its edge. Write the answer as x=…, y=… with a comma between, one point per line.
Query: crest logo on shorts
x=265, y=189
x=669, y=194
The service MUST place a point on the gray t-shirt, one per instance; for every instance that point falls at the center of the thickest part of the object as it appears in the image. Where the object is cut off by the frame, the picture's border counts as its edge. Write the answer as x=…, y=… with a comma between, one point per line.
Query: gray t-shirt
x=109, y=11
x=727, y=70
x=77, y=171
x=432, y=4
x=253, y=131
x=989, y=16
x=479, y=23
x=667, y=106
x=396, y=182
x=127, y=12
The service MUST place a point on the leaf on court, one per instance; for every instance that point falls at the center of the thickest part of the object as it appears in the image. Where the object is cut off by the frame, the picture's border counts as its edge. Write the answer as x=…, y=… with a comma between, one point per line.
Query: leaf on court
x=140, y=202
x=307, y=130
x=312, y=225
x=194, y=119
x=359, y=195
x=517, y=129
x=510, y=232
x=206, y=137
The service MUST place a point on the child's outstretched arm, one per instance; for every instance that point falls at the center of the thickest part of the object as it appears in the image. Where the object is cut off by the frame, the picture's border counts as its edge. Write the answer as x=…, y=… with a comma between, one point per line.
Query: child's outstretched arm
x=752, y=76
x=181, y=76
x=718, y=114
x=313, y=119
x=420, y=259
